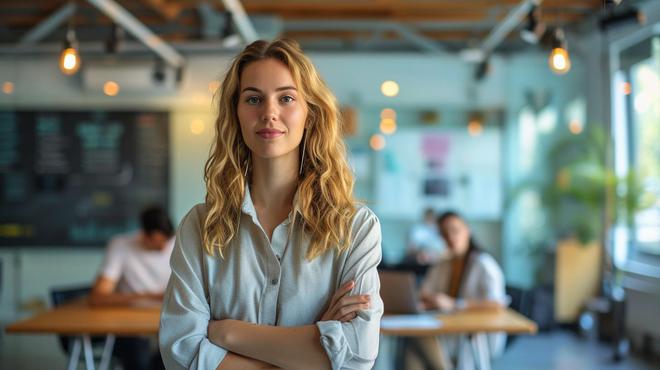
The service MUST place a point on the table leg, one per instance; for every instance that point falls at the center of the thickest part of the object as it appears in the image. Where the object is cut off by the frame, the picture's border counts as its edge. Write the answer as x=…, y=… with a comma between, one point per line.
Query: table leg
x=87, y=349
x=107, y=352
x=74, y=355
x=400, y=344
x=445, y=358
x=465, y=354
x=482, y=358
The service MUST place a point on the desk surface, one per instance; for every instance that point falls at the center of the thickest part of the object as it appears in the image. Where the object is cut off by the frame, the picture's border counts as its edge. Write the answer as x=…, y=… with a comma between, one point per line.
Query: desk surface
x=80, y=318
x=472, y=321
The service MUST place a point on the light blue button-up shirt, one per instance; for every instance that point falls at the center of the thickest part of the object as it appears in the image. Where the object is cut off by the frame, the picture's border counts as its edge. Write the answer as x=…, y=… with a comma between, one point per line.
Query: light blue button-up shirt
x=268, y=282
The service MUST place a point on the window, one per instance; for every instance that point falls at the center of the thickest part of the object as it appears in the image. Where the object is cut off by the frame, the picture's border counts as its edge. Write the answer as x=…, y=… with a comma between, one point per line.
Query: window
x=644, y=112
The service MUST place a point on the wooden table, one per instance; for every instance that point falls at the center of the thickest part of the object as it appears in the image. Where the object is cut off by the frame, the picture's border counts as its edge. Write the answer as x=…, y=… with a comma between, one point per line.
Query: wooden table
x=471, y=326
x=81, y=321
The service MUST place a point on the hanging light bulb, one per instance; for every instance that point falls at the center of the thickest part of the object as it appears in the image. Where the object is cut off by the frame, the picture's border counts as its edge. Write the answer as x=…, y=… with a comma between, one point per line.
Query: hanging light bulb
x=69, y=58
x=559, y=60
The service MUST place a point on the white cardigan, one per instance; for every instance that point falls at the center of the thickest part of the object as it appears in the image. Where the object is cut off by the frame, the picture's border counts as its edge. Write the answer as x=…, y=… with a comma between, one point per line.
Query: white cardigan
x=484, y=280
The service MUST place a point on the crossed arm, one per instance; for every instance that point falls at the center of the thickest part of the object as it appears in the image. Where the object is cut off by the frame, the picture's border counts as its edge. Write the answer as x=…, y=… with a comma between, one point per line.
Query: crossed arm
x=190, y=338
x=253, y=346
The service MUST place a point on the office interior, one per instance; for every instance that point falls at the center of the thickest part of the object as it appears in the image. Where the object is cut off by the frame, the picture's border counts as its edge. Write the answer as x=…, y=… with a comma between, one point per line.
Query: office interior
x=537, y=120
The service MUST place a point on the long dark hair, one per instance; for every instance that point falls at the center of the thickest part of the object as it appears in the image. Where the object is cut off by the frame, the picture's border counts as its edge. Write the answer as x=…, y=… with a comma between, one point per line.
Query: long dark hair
x=473, y=247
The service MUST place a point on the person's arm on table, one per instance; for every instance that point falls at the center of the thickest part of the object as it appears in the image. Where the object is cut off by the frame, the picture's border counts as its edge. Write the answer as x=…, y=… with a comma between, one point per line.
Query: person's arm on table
x=104, y=294
x=491, y=289
x=443, y=302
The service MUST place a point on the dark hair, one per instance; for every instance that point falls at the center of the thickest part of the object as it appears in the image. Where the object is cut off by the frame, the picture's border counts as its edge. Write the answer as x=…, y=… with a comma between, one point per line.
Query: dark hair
x=155, y=218
x=473, y=246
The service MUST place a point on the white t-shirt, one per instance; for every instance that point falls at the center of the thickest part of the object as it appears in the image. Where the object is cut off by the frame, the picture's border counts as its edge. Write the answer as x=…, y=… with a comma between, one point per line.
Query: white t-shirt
x=137, y=270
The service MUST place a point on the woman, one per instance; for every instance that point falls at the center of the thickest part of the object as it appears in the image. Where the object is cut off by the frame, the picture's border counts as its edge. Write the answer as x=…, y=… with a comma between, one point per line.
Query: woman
x=278, y=268
x=468, y=279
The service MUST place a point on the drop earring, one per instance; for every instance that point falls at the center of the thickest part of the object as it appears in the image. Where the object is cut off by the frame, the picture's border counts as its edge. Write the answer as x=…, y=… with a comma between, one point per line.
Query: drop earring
x=302, y=156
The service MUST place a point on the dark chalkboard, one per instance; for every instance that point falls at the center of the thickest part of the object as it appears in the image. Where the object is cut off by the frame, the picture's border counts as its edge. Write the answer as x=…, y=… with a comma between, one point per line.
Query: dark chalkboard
x=76, y=178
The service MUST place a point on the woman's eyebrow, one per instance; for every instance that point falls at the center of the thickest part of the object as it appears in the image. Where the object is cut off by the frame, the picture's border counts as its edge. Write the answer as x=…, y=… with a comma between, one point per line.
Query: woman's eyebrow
x=250, y=88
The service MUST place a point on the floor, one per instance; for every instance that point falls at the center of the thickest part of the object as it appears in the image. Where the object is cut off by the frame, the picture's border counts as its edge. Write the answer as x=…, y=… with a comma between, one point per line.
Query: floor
x=18, y=352
x=558, y=350
x=563, y=350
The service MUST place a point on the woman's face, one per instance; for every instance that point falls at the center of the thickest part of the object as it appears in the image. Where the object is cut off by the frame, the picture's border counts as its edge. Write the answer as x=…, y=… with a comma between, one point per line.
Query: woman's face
x=456, y=234
x=271, y=110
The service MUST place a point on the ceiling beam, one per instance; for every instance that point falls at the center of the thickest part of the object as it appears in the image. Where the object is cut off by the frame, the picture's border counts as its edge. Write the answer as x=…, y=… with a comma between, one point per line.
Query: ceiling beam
x=167, y=10
x=141, y=32
x=48, y=25
x=511, y=21
x=375, y=27
x=241, y=20
x=400, y=6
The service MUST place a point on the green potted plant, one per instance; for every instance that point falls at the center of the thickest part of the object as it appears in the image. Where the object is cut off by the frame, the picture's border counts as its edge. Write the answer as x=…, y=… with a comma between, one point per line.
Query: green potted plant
x=580, y=197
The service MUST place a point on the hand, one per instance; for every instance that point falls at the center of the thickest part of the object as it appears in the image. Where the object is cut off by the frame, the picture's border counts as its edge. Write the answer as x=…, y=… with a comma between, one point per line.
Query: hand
x=235, y=361
x=424, y=258
x=438, y=301
x=344, y=307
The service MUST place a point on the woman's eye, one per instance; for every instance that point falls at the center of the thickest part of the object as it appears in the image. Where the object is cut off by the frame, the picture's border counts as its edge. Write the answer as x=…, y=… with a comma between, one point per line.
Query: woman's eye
x=287, y=99
x=252, y=100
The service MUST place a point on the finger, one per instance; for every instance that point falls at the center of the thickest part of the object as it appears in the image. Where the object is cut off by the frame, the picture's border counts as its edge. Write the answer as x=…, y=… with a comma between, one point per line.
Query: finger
x=345, y=288
x=352, y=299
x=347, y=301
x=351, y=308
x=348, y=317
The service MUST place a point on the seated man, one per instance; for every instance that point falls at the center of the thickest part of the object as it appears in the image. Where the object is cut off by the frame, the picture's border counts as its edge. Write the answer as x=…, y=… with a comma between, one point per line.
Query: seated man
x=424, y=246
x=135, y=272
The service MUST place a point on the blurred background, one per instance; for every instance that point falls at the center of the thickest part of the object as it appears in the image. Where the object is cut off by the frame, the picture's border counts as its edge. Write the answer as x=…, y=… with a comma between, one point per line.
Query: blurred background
x=539, y=121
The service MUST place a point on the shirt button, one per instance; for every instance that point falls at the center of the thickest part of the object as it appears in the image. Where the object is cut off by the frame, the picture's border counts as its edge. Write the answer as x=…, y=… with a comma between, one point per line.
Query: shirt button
x=278, y=257
x=274, y=281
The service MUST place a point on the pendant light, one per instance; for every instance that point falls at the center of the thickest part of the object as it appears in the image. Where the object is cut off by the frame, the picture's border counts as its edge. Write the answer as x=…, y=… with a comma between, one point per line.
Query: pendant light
x=69, y=58
x=559, y=60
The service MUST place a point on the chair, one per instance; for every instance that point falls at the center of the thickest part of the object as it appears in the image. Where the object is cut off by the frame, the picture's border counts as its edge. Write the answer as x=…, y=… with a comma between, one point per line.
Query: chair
x=62, y=295
x=521, y=302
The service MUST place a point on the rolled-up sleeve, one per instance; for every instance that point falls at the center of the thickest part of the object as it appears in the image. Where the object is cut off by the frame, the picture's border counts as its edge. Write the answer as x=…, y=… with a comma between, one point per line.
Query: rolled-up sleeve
x=185, y=313
x=354, y=344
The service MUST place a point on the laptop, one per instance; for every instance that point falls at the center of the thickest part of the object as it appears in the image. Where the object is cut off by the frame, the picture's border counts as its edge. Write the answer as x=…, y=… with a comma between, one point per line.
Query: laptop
x=399, y=293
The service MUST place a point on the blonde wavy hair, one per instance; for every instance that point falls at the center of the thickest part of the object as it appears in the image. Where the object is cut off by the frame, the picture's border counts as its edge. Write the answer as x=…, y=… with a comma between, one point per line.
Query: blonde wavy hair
x=325, y=188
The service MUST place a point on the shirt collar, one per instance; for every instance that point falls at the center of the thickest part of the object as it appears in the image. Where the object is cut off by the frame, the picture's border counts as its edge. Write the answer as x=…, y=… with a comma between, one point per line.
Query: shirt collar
x=248, y=206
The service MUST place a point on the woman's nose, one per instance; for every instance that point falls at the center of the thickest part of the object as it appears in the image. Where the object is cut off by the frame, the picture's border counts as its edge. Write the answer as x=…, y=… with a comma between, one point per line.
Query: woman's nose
x=269, y=112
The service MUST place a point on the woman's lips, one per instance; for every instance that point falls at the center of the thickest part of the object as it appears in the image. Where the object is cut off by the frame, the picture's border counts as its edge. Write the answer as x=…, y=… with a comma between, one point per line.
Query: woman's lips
x=269, y=133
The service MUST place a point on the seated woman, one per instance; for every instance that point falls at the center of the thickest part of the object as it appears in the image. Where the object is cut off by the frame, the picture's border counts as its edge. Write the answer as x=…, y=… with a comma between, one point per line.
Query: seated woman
x=468, y=278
